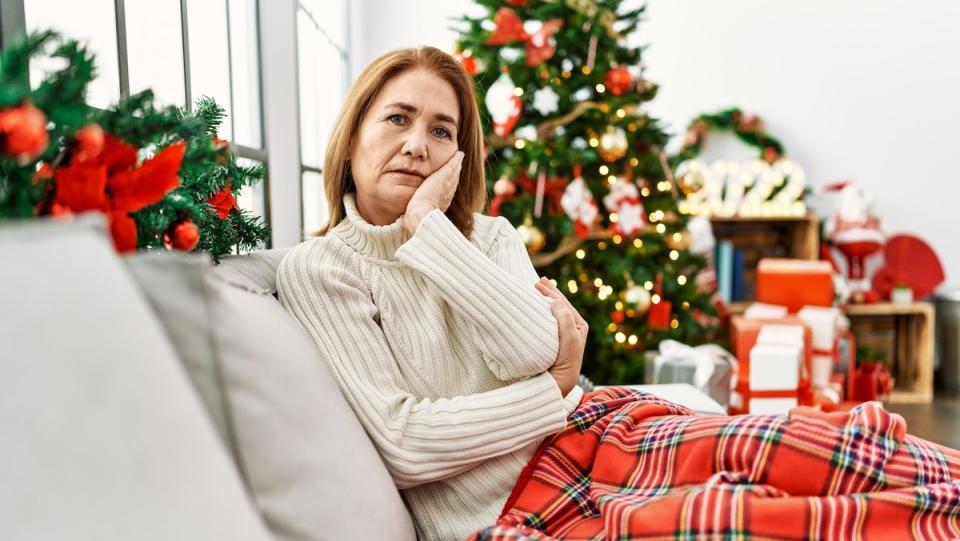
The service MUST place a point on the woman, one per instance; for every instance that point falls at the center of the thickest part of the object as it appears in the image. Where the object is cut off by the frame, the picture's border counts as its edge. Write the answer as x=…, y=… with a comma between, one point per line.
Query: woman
x=459, y=363
x=456, y=359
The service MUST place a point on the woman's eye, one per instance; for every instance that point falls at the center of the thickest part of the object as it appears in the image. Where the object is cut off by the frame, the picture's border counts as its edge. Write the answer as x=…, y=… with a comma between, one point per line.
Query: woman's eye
x=396, y=119
x=442, y=132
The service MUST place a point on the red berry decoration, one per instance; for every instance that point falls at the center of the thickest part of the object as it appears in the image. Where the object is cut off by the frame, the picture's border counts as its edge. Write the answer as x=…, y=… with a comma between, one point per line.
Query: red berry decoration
x=617, y=316
x=23, y=132
x=618, y=80
x=90, y=142
x=182, y=235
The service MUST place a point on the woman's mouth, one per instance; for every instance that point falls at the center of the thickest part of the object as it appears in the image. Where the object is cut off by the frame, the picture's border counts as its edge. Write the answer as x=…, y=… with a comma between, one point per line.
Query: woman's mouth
x=408, y=173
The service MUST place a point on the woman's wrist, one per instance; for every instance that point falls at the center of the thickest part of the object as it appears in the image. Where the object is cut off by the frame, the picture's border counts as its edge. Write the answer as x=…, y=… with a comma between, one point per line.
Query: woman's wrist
x=413, y=216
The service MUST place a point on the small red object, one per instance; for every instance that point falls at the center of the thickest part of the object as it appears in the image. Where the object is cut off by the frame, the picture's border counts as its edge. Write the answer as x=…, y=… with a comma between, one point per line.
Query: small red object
x=872, y=381
x=618, y=80
x=183, y=235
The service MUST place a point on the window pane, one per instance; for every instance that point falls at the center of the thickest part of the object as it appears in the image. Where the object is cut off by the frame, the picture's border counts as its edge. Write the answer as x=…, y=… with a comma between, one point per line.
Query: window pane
x=252, y=198
x=246, y=72
x=315, y=212
x=209, y=60
x=90, y=21
x=330, y=16
x=155, y=49
x=321, y=76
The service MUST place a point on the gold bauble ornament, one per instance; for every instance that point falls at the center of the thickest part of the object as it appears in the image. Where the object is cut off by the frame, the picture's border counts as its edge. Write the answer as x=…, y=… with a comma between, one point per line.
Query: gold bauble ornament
x=691, y=182
x=613, y=144
x=679, y=240
x=638, y=297
x=532, y=237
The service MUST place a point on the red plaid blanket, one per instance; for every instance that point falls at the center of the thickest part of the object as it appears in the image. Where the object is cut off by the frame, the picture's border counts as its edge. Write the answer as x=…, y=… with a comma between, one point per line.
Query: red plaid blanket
x=632, y=465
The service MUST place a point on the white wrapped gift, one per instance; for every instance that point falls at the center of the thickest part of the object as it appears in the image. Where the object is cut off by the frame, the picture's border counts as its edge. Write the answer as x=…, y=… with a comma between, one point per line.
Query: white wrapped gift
x=775, y=367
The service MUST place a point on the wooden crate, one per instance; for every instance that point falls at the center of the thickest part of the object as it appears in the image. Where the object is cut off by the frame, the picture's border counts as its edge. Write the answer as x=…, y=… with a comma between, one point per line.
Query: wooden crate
x=904, y=334
x=758, y=237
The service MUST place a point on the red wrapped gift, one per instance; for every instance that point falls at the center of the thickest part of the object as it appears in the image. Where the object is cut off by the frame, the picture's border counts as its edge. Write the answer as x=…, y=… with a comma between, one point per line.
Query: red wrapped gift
x=794, y=283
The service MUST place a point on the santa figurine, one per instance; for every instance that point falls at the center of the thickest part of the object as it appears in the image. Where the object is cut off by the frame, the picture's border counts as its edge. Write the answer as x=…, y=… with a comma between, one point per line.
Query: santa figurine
x=855, y=231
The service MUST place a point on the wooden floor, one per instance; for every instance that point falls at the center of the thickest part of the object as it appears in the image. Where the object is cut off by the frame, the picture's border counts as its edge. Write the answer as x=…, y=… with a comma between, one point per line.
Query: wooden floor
x=938, y=422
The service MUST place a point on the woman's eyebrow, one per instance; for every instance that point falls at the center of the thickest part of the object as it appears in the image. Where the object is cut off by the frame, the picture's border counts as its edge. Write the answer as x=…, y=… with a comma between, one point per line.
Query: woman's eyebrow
x=443, y=117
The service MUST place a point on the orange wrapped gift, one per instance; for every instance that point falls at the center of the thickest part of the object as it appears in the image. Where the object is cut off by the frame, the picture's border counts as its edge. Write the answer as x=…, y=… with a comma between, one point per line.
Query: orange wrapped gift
x=794, y=283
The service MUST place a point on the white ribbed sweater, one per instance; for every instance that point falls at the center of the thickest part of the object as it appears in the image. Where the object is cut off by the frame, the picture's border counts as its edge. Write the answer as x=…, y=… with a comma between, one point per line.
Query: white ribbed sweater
x=440, y=345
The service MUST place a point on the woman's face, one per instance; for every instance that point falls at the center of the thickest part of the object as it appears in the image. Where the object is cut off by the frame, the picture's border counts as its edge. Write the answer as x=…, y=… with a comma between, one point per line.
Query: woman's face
x=409, y=131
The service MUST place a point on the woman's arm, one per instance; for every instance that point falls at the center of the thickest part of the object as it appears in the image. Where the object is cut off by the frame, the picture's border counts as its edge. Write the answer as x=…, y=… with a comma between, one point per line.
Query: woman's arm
x=420, y=440
x=512, y=321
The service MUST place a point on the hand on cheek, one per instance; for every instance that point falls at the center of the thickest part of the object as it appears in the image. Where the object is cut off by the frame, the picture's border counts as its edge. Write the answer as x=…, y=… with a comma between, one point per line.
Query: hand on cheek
x=436, y=192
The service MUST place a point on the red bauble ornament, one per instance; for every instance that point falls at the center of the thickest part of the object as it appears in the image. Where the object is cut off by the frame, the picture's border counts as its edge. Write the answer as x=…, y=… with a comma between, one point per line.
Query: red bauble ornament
x=617, y=316
x=90, y=141
x=24, y=132
x=182, y=235
x=618, y=80
x=509, y=28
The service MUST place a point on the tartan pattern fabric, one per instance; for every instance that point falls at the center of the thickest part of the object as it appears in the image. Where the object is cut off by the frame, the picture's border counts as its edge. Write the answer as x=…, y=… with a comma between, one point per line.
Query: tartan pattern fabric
x=630, y=465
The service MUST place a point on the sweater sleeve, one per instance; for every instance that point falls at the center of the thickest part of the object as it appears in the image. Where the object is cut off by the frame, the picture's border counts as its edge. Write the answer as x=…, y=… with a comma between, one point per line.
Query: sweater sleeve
x=511, y=320
x=419, y=440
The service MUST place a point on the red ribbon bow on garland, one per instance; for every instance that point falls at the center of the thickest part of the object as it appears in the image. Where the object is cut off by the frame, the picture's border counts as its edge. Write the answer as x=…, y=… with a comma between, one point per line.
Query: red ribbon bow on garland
x=111, y=182
x=552, y=191
x=509, y=28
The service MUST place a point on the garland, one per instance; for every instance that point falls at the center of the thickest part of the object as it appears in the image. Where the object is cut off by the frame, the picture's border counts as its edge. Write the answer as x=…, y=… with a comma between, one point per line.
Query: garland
x=160, y=174
x=747, y=127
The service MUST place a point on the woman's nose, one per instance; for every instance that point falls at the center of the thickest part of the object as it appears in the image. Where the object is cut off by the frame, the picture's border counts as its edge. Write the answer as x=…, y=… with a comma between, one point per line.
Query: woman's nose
x=415, y=145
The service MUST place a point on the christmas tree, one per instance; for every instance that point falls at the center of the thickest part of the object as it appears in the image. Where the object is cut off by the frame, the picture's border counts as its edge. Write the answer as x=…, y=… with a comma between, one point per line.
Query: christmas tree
x=161, y=175
x=577, y=165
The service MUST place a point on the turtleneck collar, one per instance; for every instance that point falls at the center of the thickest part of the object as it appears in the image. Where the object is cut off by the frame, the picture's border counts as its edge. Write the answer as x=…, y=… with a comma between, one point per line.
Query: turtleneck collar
x=379, y=241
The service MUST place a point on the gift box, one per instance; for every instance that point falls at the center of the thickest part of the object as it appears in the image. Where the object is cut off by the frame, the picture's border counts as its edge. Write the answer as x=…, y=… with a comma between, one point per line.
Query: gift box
x=787, y=339
x=794, y=283
x=775, y=367
x=709, y=368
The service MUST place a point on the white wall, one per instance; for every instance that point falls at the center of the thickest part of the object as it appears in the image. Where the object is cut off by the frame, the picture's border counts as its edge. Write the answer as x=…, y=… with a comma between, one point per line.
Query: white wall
x=858, y=89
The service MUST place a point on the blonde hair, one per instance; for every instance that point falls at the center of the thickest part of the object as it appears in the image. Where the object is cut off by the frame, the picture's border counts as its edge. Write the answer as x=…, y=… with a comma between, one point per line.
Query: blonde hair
x=471, y=195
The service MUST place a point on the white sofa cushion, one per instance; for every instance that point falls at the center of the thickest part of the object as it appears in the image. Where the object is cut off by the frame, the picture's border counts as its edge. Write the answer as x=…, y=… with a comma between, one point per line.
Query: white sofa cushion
x=312, y=469
x=103, y=435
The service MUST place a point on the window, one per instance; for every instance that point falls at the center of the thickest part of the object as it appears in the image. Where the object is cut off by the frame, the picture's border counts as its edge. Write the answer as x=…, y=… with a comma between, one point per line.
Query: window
x=323, y=72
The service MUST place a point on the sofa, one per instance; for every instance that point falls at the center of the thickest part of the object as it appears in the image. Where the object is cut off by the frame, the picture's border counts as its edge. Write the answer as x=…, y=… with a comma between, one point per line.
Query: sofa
x=157, y=396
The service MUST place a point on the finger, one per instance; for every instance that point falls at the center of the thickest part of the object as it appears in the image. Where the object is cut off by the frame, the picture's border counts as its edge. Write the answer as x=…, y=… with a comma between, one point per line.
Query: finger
x=455, y=161
x=565, y=320
x=550, y=291
x=555, y=292
x=548, y=287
